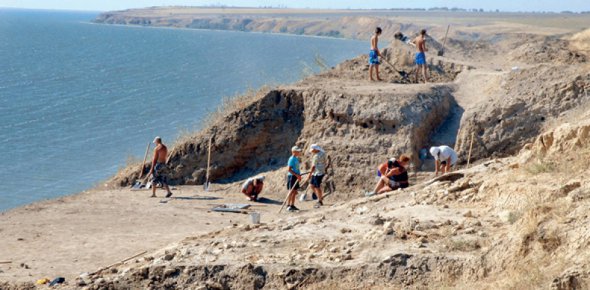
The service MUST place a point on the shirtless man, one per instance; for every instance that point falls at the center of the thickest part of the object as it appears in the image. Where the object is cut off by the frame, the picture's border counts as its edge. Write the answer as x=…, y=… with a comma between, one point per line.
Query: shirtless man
x=374, y=55
x=420, y=43
x=158, y=169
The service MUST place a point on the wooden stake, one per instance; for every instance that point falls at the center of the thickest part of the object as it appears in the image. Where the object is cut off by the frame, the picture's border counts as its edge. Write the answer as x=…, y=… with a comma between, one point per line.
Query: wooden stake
x=6, y=262
x=470, y=148
x=208, y=163
x=144, y=159
x=121, y=262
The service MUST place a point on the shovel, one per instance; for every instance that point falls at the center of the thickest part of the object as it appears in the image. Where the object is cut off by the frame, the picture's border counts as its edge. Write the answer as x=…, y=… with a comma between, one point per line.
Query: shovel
x=206, y=185
x=402, y=73
x=139, y=184
x=442, y=51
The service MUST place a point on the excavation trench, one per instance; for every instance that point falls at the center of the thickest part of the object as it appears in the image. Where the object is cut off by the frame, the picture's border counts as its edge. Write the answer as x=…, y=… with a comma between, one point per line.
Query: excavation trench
x=358, y=128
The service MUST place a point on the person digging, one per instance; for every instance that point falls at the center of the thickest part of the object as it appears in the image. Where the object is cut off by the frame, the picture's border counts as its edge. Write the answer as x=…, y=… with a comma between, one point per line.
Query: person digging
x=394, y=178
x=253, y=187
x=158, y=169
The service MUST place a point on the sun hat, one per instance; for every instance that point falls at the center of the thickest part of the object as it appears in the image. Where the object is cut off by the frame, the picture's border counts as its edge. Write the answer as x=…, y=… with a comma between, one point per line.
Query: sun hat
x=434, y=151
x=315, y=147
x=295, y=149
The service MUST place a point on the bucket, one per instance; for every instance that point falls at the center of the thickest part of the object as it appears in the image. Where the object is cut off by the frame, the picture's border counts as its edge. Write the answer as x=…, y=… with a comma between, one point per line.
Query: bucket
x=255, y=217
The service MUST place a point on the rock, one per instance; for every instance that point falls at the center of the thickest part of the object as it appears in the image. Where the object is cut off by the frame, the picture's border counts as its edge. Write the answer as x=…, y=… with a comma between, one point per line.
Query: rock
x=570, y=186
x=345, y=230
x=350, y=243
x=468, y=214
x=419, y=234
x=334, y=250
x=377, y=220
x=287, y=227
x=169, y=256
x=507, y=216
x=361, y=210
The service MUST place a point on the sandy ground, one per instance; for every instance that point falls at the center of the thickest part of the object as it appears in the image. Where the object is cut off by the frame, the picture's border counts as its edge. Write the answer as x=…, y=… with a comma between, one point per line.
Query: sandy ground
x=81, y=233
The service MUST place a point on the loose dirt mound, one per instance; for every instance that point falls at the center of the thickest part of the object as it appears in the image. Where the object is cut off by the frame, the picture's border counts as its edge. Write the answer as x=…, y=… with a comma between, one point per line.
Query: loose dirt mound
x=401, y=58
x=553, y=50
x=581, y=42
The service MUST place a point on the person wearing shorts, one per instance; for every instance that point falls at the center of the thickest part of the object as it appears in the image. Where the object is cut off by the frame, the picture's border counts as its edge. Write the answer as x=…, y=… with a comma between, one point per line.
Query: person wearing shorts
x=318, y=171
x=293, y=177
x=158, y=170
x=395, y=178
x=374, y=55
x=253, y=187
x=445, y=158
x=420, y=43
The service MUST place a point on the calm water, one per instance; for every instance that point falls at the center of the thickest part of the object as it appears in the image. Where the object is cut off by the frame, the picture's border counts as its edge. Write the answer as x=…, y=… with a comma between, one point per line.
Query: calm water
x=78, y=99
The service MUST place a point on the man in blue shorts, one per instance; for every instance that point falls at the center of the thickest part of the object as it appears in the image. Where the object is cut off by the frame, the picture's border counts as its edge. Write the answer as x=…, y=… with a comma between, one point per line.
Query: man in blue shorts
x=374, y=55
x=293, y=177
x=420, y=43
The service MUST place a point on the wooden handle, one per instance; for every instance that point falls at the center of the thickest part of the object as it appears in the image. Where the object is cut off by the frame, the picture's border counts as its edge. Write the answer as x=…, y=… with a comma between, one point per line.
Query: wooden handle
x=289, y=194
x=209, y=158
x=144, y=159
x=470, y=147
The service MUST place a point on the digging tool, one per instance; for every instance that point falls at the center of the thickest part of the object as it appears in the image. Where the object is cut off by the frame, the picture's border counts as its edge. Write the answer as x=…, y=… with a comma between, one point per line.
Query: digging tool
x=442, y=51
x=144, y=159
x=470, y=148
x=140, y=183
x=289, y=194
x=402, y=73
x=206, y=185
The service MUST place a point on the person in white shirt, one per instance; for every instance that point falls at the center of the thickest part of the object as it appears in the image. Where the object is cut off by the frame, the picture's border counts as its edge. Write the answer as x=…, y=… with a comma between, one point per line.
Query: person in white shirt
x=445, y=158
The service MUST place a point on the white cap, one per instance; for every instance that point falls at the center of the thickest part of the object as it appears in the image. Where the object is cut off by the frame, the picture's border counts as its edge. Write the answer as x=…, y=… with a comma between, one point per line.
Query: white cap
x=158, y=138
x=260, y=177
x=315, y=147
x=434, y=151
x=392, y=159
x=295, y=149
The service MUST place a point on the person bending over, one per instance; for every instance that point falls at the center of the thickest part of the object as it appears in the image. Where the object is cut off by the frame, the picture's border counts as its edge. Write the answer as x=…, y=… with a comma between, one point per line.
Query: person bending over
x=445, y=158
x=394, y=178
x=253, y=187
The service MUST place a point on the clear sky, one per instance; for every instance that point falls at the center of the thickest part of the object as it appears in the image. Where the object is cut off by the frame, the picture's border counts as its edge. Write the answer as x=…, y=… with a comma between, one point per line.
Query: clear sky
x=504, y=5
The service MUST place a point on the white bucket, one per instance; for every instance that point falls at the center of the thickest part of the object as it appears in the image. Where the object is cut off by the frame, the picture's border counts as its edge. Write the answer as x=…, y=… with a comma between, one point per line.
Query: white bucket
x=255, y=217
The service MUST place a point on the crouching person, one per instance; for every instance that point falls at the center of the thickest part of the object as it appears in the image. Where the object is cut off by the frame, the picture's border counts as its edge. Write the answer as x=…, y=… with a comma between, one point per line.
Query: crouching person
x=394, y=178
x=253, y=187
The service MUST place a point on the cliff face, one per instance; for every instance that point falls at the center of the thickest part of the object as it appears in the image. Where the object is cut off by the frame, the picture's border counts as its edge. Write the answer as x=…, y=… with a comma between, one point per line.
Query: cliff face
x=357, y=128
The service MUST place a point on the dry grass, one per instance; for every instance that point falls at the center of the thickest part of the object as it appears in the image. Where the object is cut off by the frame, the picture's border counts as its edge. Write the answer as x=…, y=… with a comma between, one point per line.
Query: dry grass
x=540, y=166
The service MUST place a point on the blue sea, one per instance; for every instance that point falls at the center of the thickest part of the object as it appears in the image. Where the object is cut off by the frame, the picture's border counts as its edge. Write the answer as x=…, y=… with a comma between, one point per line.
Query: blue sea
x=79, y=100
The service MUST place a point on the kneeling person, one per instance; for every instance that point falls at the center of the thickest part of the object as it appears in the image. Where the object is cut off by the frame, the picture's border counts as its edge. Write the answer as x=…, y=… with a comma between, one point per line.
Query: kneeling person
x=394, y=178
x=253, y=187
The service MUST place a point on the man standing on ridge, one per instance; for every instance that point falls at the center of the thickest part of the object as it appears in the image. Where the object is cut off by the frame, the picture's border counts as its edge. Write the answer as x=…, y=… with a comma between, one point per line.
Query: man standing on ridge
x=420, y=43
x=374, y=55
x=158, y=169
